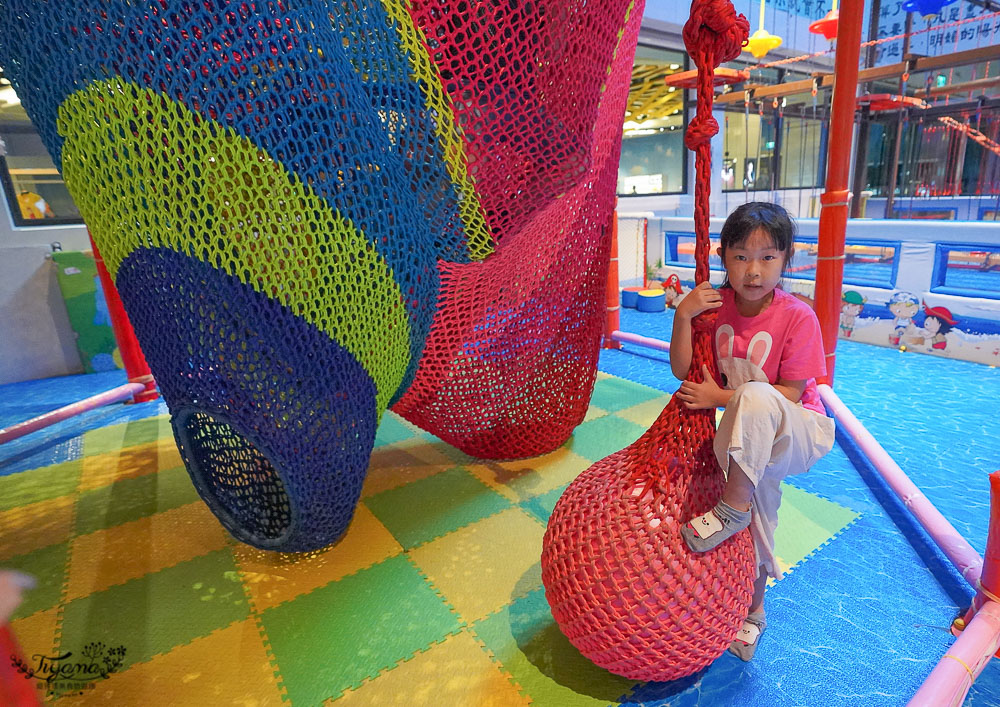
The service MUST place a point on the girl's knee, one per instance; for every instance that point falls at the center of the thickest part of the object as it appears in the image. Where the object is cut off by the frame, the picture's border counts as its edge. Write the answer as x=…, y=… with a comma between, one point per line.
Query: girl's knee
x=755, y=392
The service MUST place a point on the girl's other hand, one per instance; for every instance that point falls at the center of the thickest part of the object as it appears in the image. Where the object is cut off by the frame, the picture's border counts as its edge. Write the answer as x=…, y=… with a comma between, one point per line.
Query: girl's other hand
x=701, y=298
x=700, y=396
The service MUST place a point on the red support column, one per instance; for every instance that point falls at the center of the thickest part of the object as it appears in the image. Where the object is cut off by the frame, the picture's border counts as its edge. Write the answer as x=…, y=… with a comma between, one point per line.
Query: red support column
x=835, y=200
x=135, y=363
x=611, y=321
x=989, y=580
x=645, y=251
x=988, y=584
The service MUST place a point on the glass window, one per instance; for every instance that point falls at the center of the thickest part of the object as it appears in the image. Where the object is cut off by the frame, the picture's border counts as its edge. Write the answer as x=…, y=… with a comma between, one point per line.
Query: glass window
x=880, y=145
x=871, y=263
x=653, y=159
x=866, y=263
x=946, y=155
x=31, y=183
x=748, y=147
x=801, y=150
x=969, y=270
x=652, y=164
x=679, y=249
x=981, y=167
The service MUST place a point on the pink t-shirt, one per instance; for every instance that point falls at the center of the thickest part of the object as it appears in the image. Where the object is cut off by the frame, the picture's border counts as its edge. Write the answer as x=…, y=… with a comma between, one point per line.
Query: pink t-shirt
x=782, y=342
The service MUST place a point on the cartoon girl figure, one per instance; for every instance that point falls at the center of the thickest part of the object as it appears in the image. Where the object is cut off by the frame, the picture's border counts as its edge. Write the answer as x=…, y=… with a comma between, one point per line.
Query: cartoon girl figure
x=937, y=322
x=851, y=305
x=673, y=289
x=903, y=306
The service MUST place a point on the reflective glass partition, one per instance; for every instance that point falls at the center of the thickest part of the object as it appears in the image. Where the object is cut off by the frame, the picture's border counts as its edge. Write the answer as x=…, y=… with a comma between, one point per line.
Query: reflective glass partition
x=653, y=159
x=31, y=184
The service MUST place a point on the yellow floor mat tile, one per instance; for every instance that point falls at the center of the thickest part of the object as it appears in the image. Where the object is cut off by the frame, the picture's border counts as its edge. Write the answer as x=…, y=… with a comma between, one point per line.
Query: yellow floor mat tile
x=36, y=633
x=103, y=469
x=594, y=412
x=274, y=578
x=115, y=555
x=35, y=526
x=486, y=565
x=454, y=672
x=228, y=667
x=392, y=466
x=522, y=479
x=431, y=451
x=645, y=414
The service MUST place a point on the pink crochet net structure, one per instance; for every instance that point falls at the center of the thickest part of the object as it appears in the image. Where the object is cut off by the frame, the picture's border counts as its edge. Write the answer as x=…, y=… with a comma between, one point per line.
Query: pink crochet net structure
x=510, y=362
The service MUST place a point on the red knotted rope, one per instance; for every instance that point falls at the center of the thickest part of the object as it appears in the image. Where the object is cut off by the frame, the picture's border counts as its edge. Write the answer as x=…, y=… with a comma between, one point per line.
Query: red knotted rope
x=713, y=34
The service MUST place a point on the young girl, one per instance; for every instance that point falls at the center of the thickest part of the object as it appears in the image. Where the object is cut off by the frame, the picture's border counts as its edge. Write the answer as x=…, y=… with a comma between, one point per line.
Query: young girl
x=769, y=352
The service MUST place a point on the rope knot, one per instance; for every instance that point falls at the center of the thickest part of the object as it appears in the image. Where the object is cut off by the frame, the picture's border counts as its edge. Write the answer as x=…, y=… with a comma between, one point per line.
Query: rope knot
x=700, y=130
x=714, y=33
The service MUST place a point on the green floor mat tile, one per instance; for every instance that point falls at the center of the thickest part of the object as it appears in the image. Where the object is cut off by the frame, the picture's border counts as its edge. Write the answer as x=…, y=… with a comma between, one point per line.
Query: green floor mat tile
x=805, y=522
x=526, y=641
x=130, y=499
x=541, y=506
x=129, y=434
x=429, y=508
x=598, y=438
x=39, y=484
x=159, y=611
x=392, y=430
x=340, y=634
x=614, y=394
x=48, y=567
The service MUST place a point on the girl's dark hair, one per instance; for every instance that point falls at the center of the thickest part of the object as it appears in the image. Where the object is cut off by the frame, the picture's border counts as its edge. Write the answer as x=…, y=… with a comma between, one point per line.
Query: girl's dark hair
x=759, y=214
x=945, y=326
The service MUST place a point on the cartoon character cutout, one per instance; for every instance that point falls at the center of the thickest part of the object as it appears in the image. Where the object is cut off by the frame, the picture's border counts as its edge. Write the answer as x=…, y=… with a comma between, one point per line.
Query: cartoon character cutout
x=851, y=305
x=904, y=307
x=735, y=370
x=674, y=291
x=938, y=321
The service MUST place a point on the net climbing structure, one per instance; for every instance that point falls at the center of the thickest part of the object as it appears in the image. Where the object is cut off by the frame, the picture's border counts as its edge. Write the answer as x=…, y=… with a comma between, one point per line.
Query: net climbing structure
x=315, y=210
x=621, y=582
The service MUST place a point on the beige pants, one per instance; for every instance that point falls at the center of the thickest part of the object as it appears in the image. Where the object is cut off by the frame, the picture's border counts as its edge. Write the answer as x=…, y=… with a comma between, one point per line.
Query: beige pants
x=769, y=437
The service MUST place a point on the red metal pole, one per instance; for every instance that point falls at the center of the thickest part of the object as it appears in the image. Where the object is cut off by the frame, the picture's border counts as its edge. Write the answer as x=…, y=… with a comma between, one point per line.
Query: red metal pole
x=989, y=580
x=611, y=321
x=135, y=363
x=645, y=252
x=834, y=201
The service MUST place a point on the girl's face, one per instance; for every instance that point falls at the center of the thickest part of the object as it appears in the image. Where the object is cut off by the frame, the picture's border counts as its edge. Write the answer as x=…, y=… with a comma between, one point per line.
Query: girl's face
x=754, y=269
x=932, y=325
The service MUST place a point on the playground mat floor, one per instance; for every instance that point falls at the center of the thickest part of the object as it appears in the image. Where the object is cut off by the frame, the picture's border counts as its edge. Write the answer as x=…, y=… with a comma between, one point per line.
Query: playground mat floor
x=434, y=596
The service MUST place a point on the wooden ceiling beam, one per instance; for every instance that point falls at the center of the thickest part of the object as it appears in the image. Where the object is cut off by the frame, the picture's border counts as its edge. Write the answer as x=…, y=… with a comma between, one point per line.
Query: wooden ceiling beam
x=974, y=85
x=877, y=73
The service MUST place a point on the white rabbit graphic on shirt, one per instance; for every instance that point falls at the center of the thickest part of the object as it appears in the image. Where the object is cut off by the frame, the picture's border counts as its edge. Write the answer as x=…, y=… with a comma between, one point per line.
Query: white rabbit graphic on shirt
x=737, y=371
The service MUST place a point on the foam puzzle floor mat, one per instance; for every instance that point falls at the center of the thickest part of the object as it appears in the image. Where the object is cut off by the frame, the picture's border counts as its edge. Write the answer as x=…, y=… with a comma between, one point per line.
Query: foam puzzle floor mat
x=433, y=597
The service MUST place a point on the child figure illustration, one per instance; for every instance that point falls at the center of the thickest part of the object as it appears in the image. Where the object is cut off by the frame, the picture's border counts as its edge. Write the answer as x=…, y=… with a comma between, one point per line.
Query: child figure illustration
x=768, y=347
x=852, y=304
x=903, y=306
x=937, y=322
